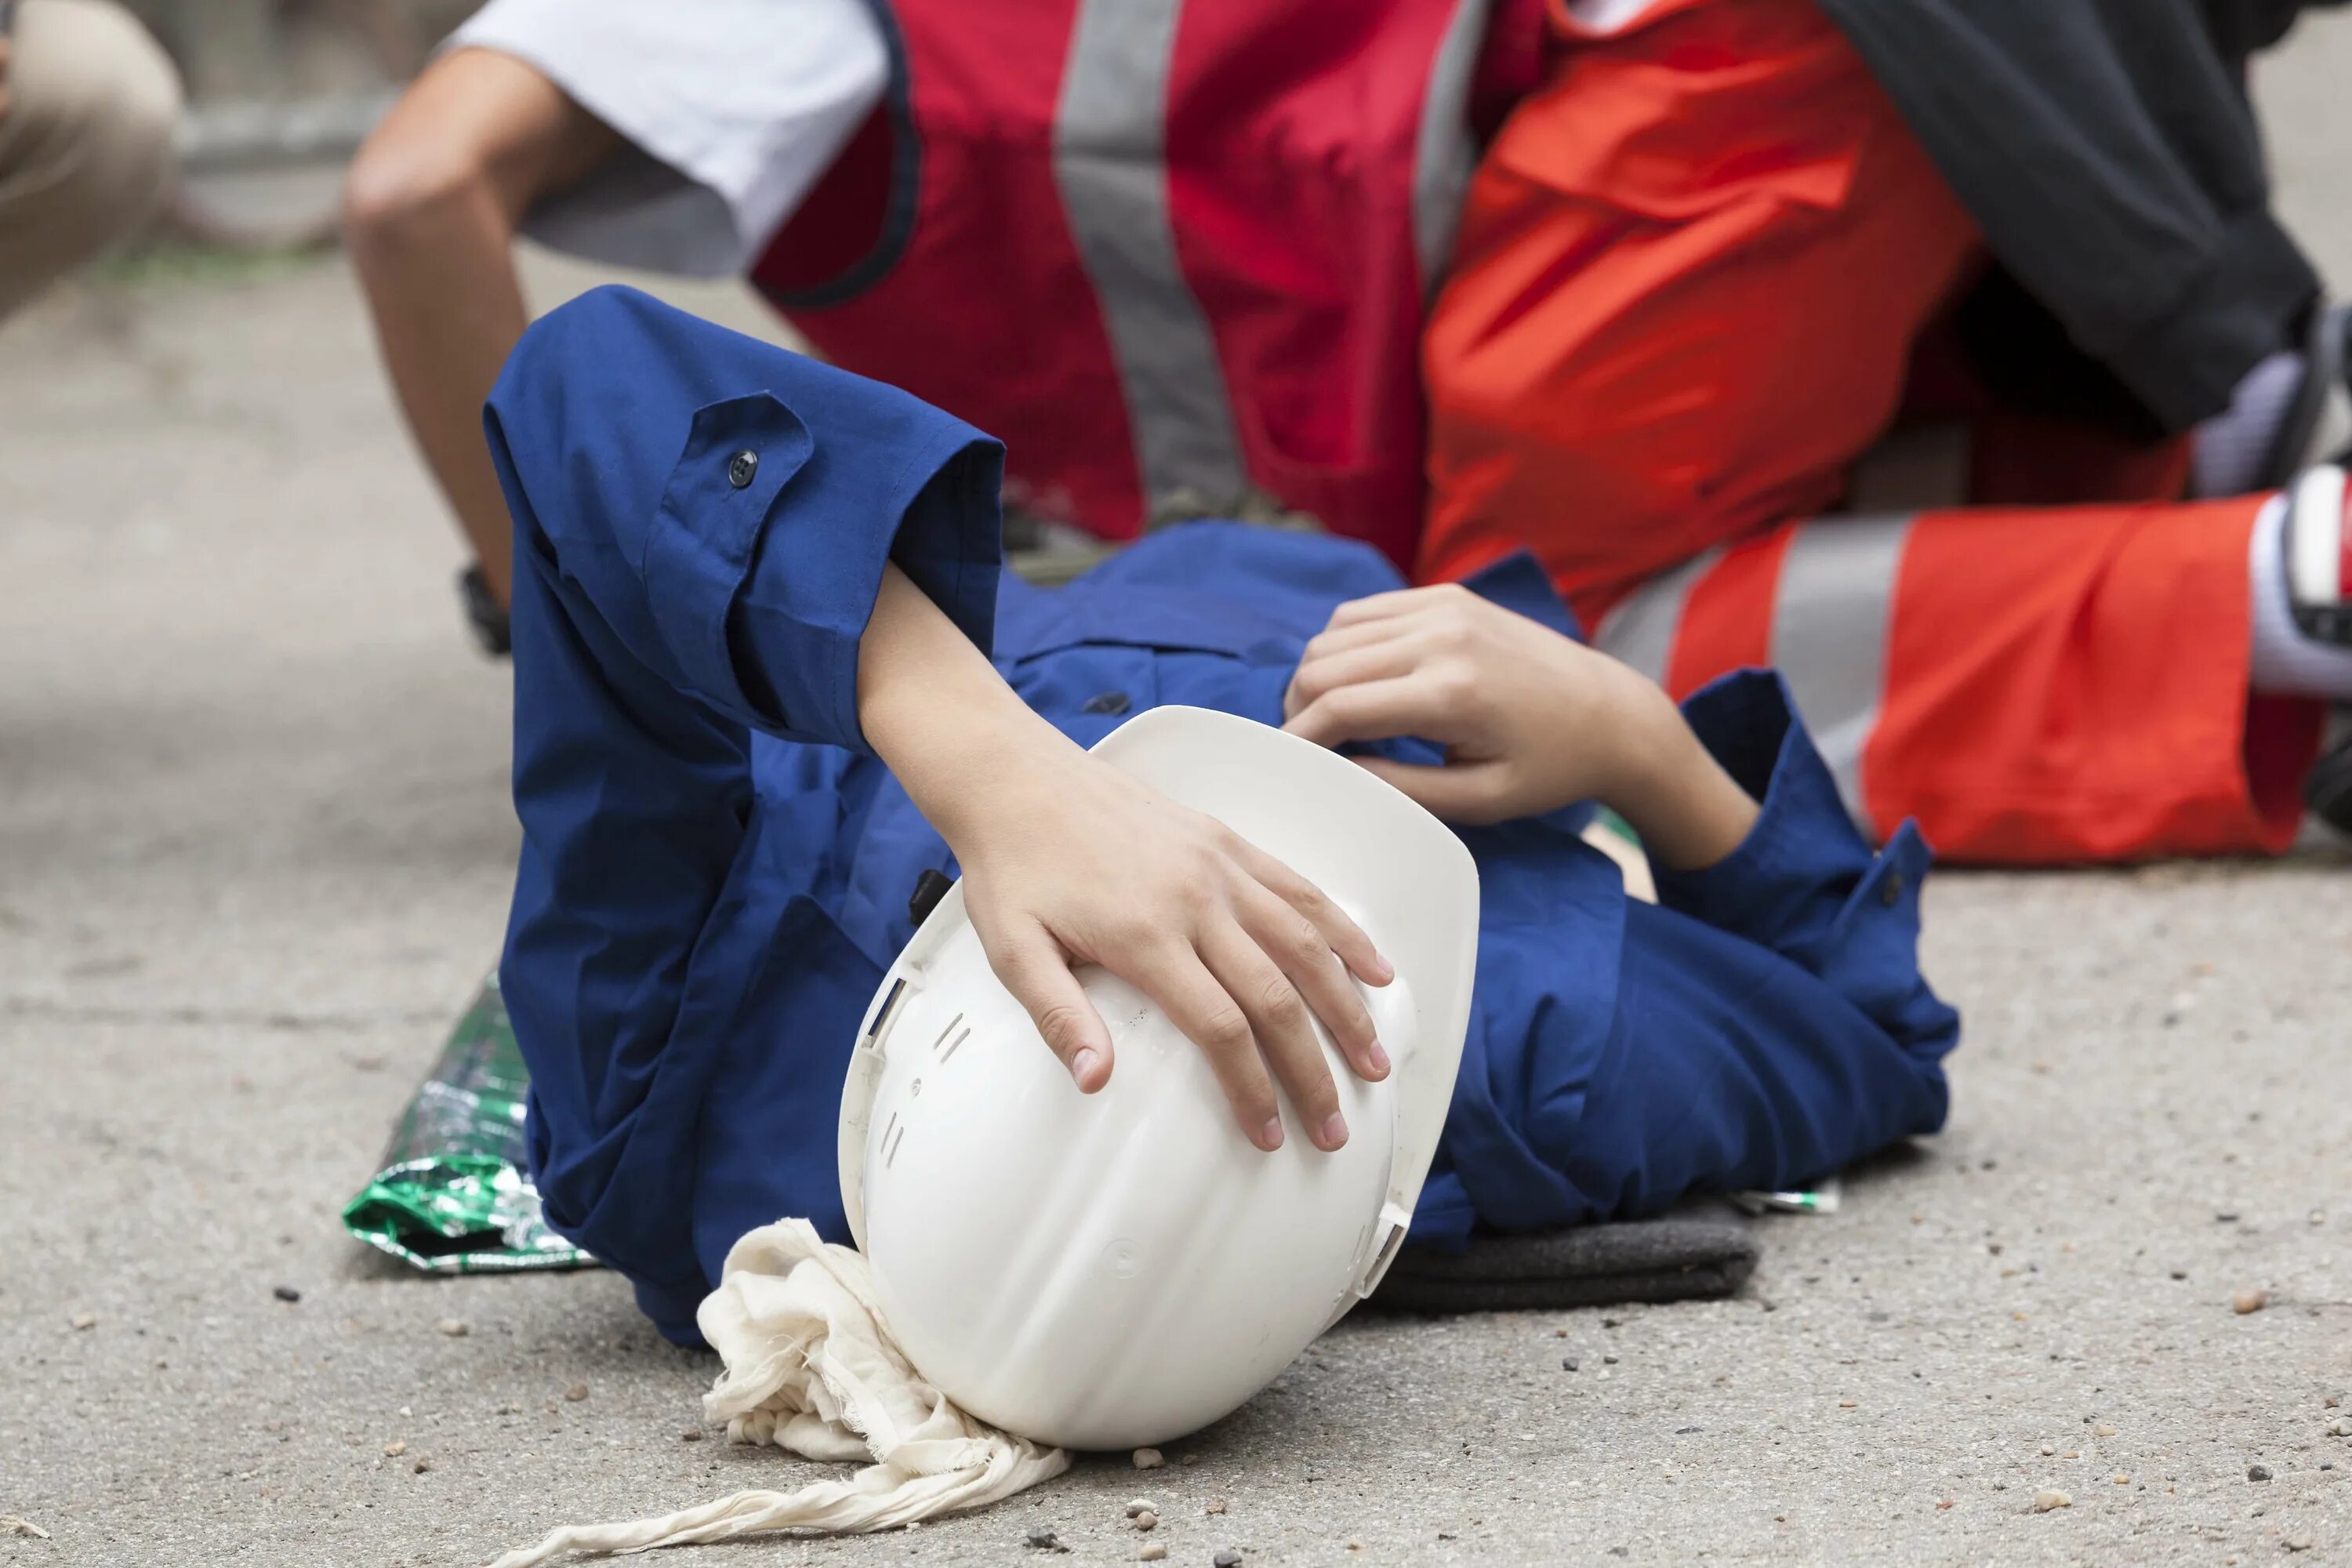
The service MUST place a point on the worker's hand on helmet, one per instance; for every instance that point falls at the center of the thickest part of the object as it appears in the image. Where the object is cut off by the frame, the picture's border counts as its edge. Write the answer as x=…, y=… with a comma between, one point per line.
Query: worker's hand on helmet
x=1067, y=860
x=1530, y=721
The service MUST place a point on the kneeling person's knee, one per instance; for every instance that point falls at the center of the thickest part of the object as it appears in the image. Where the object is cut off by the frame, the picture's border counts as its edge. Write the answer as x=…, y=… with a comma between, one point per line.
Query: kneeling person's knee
x=408, y=183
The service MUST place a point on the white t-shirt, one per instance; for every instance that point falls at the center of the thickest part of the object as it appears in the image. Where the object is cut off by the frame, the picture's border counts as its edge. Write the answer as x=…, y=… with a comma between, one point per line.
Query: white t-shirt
x=733, y=110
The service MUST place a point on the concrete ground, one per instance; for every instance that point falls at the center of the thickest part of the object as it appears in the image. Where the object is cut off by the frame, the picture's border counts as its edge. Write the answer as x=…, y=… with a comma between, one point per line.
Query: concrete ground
x=254, y=851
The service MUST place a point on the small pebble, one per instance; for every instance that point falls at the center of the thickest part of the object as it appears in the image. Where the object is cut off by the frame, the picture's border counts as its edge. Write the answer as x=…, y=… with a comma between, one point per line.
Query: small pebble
x=1226, y=1560
x=1216, y=1505
x=1609, y=1360
x=1848, y=1404
x=395, y=1450
x=2045, y=1502
x=1942, y=1504
x=2317, y=1216
x=691, y=1434
x=1152, y=1551
x=2226, y=1216
x=2246, y=1301
x=2340, y=1428
x=2258, y=1472
x=2298, y=1543
x=1141, y=1505
x=1190, y=1459
x=1559, y=1333
x=84, y=1319
x=422, y=1464
x=576, y=1393
x=2049, y=1449
x=2102, y=1430
x=454, y=1326
x=1149, y=1458
x=285, y=1292
x=2180, y=1274
x=1043, y=1539
x=1146, y=1520
x=2120, y=1480
x=2071, y=1454
x=12, y=1525
x=1568, y=1363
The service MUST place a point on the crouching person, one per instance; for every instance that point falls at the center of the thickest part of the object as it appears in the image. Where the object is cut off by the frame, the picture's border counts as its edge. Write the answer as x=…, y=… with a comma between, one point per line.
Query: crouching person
x=770, y=686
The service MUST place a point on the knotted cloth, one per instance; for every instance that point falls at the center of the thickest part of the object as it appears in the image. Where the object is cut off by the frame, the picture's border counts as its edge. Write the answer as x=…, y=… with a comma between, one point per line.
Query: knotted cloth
x=811, y=1366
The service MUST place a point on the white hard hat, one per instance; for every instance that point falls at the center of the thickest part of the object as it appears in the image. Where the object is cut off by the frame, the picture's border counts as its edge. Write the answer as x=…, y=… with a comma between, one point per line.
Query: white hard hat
x=1114, y=1270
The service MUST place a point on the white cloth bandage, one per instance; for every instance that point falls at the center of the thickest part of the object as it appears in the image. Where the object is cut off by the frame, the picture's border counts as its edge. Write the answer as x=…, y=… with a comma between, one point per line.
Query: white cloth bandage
x=812, y=1367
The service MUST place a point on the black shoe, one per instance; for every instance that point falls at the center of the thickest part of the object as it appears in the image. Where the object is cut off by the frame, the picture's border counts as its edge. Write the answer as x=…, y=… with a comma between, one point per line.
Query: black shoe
x=2328, y=789
x=488, y=622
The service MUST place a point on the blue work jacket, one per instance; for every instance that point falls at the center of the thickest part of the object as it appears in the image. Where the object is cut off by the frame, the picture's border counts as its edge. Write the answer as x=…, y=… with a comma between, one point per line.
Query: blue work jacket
x=716, y=869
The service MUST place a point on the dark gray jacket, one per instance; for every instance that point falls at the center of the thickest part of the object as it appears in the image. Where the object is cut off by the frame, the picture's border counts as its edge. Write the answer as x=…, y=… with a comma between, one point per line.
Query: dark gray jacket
x=2111, y=159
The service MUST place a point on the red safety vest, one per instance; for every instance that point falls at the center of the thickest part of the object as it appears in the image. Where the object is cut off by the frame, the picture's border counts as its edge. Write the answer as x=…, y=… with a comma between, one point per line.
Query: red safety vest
x=1162, y=248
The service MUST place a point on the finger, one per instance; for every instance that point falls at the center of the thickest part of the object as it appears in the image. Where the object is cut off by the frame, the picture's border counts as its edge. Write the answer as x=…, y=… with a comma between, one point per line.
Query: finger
x=1343, y=936
x=1195, y=1001
x=1347, y=639
x=1468, y=793
x=1033, y=967
x=1375, y=710
x=1396, y=601
x=1298, y=947
x=1314, y=677
x=1283, y=1028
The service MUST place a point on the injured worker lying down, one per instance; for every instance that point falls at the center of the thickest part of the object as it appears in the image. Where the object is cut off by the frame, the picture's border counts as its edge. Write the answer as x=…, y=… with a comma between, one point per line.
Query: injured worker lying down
x=774, y=692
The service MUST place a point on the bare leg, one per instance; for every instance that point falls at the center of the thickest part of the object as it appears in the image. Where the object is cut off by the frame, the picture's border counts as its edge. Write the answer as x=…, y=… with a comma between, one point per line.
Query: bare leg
x=429, y=215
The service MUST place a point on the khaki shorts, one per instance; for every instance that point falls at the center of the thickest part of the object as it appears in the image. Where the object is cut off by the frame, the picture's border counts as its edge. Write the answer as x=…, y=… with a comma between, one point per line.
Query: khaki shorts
x=85, y=138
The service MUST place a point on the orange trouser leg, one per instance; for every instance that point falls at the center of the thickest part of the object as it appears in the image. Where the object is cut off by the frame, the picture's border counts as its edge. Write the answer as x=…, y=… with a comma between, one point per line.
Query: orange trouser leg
x=2033, y=686
x=1691, y=272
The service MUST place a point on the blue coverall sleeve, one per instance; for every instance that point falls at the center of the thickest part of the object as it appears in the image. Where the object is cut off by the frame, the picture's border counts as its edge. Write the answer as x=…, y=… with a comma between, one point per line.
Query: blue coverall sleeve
x=702, y=525
x=1803, y=883
x=1768, y=1022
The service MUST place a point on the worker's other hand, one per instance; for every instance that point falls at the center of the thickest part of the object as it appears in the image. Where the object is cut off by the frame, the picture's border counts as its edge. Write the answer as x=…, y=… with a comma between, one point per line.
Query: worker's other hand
x=1530, y=721
x=1067, y=860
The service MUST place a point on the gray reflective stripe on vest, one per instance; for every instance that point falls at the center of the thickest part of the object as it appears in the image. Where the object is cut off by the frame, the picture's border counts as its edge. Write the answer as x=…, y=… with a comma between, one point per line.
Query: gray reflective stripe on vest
x=1829, y=617
x=1444, y=153
x=1641, y=630
x=1109, y=142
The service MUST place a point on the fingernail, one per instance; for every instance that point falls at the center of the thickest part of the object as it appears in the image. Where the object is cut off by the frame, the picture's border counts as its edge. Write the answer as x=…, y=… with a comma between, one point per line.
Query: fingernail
x=1378, y=1057
x=1082, y=1064
x=1387, y=970
x=1334, y=1130
x=1269, y=1137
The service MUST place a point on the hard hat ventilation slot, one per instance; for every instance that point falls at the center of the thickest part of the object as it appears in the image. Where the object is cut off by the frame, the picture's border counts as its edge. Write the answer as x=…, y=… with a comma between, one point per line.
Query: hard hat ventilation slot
x=890, y=1143
x=955, y=1045
x=890, y=1005
x=942, y=1040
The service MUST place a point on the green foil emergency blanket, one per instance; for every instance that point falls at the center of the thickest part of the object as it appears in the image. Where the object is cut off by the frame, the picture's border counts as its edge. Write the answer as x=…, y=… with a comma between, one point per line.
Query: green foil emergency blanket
x=454, y=1195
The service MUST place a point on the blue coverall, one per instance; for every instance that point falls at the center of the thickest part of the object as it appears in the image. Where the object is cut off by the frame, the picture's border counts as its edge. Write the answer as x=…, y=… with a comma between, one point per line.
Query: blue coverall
x=716, y=870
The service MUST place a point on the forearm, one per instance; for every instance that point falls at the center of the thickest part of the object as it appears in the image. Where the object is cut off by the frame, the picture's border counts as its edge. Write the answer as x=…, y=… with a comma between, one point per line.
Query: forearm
x=937, y=712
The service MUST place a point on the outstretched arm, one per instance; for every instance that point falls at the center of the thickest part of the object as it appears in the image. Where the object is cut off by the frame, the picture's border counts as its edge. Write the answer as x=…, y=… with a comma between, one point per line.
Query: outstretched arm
x=1531, y=720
